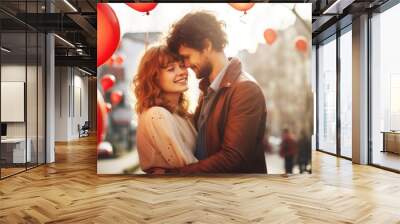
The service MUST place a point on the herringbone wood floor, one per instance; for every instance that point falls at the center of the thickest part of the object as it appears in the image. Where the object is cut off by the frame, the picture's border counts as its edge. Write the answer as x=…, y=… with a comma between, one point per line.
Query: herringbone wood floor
x=69, y=191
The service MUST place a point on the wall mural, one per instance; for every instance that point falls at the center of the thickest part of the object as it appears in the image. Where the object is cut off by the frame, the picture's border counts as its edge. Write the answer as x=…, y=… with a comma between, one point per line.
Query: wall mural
x=210, y=88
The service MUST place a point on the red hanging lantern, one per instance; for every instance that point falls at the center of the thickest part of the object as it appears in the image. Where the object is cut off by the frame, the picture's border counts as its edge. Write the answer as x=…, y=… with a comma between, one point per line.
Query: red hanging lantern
x=115, y=60
x=244, y=7
x=270, y=36
x=119, y=60
x=301, y=44
x=116, y=97
x=108, y=107
x=110, y=61
x=101, y=117
x=104, y=150
x=142, y=7
x=108, y=32
x=107, y=82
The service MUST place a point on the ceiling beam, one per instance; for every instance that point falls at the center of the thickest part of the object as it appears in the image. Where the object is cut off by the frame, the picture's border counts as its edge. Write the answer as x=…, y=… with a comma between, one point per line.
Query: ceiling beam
x=338, y=6
x=81, y=61
x=84, y=24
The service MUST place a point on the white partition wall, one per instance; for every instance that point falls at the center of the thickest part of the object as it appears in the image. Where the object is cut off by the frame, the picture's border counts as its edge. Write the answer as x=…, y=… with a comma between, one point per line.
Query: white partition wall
x=14, y=68
x=22, y=101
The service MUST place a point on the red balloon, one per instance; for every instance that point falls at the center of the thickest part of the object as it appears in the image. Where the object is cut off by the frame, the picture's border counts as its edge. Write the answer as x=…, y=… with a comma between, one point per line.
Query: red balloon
x=101, y=117
x=270, y=36
x=142, y=7
x=242, y=6
x=107, y=82
x=301, y=44
x=108, y=32
x=116, y=97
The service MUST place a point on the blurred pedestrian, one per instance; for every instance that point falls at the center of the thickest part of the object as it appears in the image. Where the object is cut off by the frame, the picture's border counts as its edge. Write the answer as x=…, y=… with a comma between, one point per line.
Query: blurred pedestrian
x=304, y=157
x=288, y=150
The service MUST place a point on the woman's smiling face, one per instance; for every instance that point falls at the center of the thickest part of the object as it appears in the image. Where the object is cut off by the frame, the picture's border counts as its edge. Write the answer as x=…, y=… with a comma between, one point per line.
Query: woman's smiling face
x=174, y=78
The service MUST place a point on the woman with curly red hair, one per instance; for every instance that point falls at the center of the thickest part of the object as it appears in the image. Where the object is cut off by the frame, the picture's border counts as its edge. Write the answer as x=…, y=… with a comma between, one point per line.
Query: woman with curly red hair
x=166, y=137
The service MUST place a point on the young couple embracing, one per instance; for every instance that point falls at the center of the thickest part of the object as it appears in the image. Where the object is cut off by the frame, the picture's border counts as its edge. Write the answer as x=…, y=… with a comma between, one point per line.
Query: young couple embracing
x=225, y=134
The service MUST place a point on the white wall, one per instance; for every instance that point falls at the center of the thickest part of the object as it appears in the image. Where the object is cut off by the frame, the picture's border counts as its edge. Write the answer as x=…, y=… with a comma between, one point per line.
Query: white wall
x=70, y=84
x=12, y=73
x=80, y=94
x=61, y=103
x=33, y=127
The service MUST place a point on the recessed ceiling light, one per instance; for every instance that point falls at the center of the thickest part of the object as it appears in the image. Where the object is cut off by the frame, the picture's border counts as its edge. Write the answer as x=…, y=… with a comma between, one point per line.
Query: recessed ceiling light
x=338, y=6
x=64, y=40
x=5, y=50
x=84, y=71
x=70, y=5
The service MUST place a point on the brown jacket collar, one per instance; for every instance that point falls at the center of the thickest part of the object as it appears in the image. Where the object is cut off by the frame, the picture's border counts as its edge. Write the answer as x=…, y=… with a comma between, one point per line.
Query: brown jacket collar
x=231, y=74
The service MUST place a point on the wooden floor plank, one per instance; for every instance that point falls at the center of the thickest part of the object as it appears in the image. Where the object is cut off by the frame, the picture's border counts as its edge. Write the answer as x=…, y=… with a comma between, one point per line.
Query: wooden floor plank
x=70, y=191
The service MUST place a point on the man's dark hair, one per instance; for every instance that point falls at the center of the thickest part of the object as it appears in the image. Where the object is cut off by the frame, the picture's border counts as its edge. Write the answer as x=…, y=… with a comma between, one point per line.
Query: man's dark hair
x=193, y=29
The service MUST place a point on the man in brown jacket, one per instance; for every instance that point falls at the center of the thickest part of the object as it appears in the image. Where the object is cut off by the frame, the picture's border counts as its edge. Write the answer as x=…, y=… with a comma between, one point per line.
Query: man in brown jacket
x=231, y=115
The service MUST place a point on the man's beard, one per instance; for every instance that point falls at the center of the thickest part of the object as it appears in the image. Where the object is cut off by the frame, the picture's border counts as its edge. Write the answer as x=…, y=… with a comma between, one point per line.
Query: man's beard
x=205, y=70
